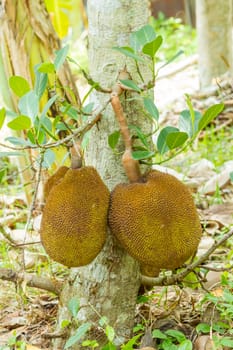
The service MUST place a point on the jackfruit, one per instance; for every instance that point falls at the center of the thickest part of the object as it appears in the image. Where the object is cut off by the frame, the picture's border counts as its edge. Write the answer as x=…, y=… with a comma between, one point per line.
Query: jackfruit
x=74, y=222
x=54, y=180
x=155, y=221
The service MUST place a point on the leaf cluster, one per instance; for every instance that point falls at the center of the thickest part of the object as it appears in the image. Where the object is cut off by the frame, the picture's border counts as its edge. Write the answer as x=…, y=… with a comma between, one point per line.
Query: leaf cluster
x=37, y=122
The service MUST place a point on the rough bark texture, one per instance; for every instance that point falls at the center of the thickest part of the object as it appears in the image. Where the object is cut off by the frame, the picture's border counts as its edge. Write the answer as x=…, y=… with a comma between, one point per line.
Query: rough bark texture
x=214, y=30
x=109, y=285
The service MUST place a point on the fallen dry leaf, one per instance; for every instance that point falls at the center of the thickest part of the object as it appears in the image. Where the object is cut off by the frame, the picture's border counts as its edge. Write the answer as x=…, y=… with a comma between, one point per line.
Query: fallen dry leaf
x=213, y=278
x=218, y=180
x=211, y=227
x=202, y=170
x=220, y=213
x=205, y=244
x=203, y=342
x=31, y=347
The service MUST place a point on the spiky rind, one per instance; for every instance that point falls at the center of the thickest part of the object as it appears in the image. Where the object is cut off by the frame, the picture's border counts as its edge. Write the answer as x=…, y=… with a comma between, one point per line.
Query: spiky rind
x=74, y=222
x=54, y=180
x=155, y=221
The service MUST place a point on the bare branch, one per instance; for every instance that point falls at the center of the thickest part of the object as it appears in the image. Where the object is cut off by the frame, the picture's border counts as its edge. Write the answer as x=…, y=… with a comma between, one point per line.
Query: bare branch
x=175, y=278
x=31, y=280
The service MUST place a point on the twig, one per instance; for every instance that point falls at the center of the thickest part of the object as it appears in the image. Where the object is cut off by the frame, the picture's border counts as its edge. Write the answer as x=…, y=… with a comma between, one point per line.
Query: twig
x=217, y=269
x=31, y=280
x=175, y=278
x=8, y=237
x=84, y=128
x=55, y=335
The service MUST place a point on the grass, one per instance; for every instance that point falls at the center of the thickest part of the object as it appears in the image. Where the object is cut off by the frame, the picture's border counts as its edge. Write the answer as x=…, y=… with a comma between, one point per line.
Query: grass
x=217, y=146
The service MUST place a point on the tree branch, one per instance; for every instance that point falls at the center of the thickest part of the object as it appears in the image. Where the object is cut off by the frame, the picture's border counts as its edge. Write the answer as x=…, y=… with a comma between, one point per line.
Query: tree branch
x=121, y=118
x=31, y=280
x=82, y=129
x=175, y=278
x=130, y=165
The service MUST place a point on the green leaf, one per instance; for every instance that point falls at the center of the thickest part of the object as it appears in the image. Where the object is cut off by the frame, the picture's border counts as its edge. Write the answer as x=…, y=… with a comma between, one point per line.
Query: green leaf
x=109, y=346
x=110, y=333
x=139, y=327
x=209, y=115
x=203, y=328
x=151, y=48
x=49, y=158
x=80, y=332
x=227, y=341
x=151, y=108
x=41, y=81
x=227, y=296
x=162, y=138
x=185, y=345
x=18, y=141
x=86, y=139
x=141, y=37
x=103, y=321
x=19, y=85
x=31, y=137
x=129, y=52
x=88, y=108
x=158, y=334
x=47, y=124
x=65, y=323
x=3, y=173
x=168, y=345
x=60, y=57
x=231, y=176
x=22, y=122
x=41, y=137
x=139, y=155
x=176, y=139
x=186, y=124
x=179, y=336
x=90, y=343
x=2, y=116
x=130, y=344
x=29, y=105
x=221, y=326
x=140, y=135
x=11, y=154
x=49, y=103
x=130, y=84
x=72, y=113
x=73, y=306
x=113, y=139
x=61, y=126
x=46, y=67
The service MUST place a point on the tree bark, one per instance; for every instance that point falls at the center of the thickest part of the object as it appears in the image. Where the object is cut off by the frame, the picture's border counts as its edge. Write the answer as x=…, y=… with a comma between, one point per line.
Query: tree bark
x=109, y=285
x=214, y=32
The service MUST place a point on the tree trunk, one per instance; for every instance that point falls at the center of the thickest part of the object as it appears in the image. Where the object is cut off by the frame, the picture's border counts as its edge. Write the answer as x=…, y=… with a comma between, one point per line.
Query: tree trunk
x=109, y=285
x=214, y=31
